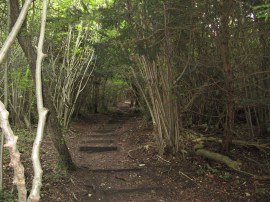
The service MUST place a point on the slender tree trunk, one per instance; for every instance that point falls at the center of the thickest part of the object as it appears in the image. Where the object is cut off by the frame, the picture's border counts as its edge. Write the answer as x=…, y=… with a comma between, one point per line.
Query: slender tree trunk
x=96, y=95
x=264, y=112
x=53, y=126
x=226, y=7
x=54, y=129
x=5, y=99
x=135, y=96
x=42, y=113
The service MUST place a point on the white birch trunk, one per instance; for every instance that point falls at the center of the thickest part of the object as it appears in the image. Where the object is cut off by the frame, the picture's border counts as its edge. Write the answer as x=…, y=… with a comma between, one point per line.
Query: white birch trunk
x=42, y=112
x=15, y=162
x=11, y=139
x=15, y=30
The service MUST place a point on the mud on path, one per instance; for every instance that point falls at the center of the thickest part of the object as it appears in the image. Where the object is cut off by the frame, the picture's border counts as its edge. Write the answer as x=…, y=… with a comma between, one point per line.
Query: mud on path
x=116, y=161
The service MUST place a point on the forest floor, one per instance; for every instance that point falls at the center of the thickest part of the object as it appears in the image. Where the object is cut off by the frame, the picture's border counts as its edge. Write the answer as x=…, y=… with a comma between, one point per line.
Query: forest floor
x=117, y=161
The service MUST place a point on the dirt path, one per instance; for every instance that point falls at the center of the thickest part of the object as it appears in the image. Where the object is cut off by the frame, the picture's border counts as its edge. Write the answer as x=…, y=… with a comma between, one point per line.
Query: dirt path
x=113, y=174
x=116, y=161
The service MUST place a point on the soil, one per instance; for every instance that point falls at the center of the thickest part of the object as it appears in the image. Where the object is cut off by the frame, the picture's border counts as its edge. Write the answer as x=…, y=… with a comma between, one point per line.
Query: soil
x=116, y=160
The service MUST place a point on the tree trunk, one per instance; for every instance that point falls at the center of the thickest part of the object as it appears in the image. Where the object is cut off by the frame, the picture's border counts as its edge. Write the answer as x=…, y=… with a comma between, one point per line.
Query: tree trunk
x=224, y=38
x=54, y=129
x=53, y=126
x=96, y=95
x=264, y=112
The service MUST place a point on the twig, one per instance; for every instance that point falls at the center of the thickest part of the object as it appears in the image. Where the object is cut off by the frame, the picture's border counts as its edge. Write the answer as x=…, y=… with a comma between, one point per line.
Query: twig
x=180, y=172
x=130, y=156
x=168, y=171
x=120, y=178
x=159, y=157
x=72, y=181
x=75, y=196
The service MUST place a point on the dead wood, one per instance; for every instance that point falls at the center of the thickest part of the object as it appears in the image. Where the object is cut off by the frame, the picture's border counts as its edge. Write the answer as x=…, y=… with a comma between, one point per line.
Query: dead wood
x=199, y=150
x=261, y=178
x=235, y=142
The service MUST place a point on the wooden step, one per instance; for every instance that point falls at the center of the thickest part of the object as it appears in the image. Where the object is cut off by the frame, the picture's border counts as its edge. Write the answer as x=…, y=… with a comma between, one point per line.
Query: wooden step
x=104, y=131
x=107, y=141
x=110, y=135
x=116, y=121
x=103, y=170
x=130, y=190
x=95, y=149
x=110, y=126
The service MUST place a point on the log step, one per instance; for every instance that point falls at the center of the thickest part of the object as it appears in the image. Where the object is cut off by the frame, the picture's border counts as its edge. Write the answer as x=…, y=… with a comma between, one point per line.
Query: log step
x=104, y=131
x=130, y=190
x=108, y=141
x=116, y=121
x=102, y=135
x=116, y=170
x=94, y=149
x=111, y=127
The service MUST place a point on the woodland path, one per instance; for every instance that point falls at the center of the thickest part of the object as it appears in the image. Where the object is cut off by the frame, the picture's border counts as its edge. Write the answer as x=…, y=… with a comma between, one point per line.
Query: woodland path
x=116, y=160
x=114, y=175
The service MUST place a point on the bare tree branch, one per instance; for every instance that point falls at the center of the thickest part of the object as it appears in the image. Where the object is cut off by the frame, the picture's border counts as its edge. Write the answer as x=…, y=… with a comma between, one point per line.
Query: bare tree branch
x=15, y=30
x=15, y=162
x=42, y=112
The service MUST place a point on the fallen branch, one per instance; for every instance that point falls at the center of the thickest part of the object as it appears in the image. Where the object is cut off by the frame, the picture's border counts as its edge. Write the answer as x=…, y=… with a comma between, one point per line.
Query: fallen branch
x=199, y=150
x=235, y=142
x=261, y=178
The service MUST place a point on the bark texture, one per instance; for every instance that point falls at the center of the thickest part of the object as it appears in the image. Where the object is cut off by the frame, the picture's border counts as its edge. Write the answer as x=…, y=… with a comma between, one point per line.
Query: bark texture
x=226, y=8
x=11, y=144
x=53, y=127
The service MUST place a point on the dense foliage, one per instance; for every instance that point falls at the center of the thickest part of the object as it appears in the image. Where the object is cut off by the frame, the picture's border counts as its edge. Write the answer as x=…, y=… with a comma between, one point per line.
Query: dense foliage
x=216, y=52
x=187, y=64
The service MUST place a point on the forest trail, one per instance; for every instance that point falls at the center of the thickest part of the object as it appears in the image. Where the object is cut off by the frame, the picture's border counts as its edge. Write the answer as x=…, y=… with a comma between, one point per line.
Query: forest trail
x=113, y=175
x=117, y=162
